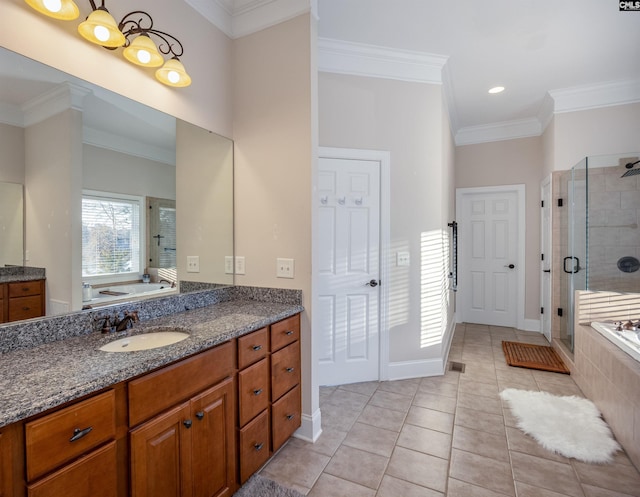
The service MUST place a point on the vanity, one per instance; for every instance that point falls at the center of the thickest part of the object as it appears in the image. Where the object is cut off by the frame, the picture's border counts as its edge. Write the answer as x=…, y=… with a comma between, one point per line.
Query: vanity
x=22, y=293
x=197, y=417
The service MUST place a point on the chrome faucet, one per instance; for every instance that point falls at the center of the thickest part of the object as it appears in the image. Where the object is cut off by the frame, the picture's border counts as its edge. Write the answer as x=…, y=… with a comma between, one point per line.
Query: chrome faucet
x=172, y=283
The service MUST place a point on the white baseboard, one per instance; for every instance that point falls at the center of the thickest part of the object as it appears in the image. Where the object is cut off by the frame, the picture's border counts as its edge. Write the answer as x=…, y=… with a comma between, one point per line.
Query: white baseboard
x=310, y=428
x=532, y=325
x=415, y=369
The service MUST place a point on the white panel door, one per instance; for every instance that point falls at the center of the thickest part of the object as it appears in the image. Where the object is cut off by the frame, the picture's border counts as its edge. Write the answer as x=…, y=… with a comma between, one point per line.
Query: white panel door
x=488, y=285
x=347, y=270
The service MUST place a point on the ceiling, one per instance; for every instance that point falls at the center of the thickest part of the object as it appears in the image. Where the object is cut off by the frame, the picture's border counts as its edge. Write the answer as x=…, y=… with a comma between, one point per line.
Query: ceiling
x=551, y=55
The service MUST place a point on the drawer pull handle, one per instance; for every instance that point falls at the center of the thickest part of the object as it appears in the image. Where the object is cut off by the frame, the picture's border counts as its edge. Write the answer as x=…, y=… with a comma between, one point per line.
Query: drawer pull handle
x=187, y=423
x=289, y=370
x=288, y=333
x=290, y=417
x=78, y=433
x=200, y=415
x=257, y=391
x=257, y=347
x=258, y=446
x=26, y=308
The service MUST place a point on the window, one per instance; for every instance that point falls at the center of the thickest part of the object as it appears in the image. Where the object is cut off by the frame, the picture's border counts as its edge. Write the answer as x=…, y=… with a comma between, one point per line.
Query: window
x=111, y=235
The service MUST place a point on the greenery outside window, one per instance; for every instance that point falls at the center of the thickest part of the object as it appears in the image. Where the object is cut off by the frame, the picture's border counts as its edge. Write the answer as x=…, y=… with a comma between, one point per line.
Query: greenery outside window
x=112, y=237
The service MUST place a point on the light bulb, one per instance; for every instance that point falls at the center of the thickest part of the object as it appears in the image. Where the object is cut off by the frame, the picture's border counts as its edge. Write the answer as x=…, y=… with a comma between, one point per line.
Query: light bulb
x=144, y=56
x=173, y=76
x=53, y=5
x=101, y=33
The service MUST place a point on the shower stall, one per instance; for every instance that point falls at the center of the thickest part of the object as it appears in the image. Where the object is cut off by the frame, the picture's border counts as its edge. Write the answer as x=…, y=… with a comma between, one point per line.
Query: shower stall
x=596, y=240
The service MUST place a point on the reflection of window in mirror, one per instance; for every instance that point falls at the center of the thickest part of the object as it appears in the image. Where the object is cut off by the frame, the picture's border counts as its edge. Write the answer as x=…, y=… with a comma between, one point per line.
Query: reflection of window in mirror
x=112, y=237
x=161, y=239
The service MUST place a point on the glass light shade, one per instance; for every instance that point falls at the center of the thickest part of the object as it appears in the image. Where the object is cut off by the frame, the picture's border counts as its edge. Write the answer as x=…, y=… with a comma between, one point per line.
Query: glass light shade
x=143, y=52
x=101, y=28
x=65, y=10
x=173, y=73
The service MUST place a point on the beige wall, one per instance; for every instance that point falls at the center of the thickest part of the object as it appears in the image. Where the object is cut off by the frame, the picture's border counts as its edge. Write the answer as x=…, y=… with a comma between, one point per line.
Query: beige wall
x=272, y=129
x=511, y=162
x=572, y=136
x=12, y=156
x=407, y=120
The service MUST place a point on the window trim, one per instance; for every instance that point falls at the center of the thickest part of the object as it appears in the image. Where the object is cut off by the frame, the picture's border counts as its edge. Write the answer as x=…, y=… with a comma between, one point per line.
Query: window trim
x=133, y=275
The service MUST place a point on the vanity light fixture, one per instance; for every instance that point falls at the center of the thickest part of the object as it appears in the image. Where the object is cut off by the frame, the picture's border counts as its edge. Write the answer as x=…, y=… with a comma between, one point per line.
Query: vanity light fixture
x=133, y=33
x=64, y=10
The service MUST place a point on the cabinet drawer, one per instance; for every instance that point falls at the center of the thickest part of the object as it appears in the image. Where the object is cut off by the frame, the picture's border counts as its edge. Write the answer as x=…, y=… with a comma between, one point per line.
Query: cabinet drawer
x=25, y=288
x=68, y=433
x=25, y=307
x=94, y=474
x=285, y=332
x=158, y=391
x=285, y=370
x=285, y=417
x=254, y=446
x=253, y=347
x=253, y=388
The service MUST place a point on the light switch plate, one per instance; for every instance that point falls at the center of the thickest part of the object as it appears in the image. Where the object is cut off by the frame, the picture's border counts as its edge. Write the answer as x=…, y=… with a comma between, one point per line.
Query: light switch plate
x=403, y=259
x=240, y=267
x=228, y=264
x=193, y=264
x=285, y=268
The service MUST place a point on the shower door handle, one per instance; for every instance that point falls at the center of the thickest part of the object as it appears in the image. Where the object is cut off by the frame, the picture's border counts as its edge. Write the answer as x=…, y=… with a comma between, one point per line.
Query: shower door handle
x=576, y=268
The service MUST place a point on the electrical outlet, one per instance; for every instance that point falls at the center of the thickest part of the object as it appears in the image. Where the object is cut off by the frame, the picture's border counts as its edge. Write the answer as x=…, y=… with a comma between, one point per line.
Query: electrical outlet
x=284, y=268
x=240, y=265
x=403, y=259
x=193, y=264
x=228, y=264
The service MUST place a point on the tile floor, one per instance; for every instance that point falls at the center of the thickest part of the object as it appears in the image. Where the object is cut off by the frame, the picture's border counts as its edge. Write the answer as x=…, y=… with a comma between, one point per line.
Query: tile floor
x=443, y=436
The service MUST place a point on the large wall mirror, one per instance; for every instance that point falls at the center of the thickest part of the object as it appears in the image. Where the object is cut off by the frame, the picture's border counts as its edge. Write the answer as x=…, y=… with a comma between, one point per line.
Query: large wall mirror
x=65, y=143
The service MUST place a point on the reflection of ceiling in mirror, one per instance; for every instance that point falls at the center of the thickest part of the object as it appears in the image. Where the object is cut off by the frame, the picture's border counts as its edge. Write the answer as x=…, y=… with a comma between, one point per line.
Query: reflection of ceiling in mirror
x=109, y=120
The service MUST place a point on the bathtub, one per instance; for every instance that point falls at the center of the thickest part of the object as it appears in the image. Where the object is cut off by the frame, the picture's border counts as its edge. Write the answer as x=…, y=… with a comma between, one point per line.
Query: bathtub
x=116, y=293
x=627, y=340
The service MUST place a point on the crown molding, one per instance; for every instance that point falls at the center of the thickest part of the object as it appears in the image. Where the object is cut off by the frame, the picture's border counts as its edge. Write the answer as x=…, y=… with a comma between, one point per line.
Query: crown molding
x=359, y=59
x=509, y=130
x=62, y=97
x=237, y=18
x=11, y=115
x=128, y=146
x=594, y=96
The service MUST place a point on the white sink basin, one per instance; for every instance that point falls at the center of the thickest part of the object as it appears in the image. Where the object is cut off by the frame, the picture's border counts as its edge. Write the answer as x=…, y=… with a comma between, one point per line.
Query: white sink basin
x=146, y=341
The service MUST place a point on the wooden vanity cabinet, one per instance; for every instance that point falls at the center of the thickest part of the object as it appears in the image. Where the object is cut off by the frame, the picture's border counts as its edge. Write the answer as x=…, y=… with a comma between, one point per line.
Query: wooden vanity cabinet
x=22, y=300
x=188, y=449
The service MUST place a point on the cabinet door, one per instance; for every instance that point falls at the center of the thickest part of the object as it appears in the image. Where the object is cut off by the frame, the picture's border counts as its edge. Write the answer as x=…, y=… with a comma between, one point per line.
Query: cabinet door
x=253, y=389
x=214, y=448
x=285, y=370
x=161, y=455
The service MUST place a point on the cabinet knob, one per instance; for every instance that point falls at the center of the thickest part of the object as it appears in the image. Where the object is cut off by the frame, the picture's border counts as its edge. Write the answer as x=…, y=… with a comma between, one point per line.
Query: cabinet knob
x=258, y=446
x=290, y=417
x=187, y=423
x=288, y=333
x=200, y=415
x=78, y=433
x=289, y=370
x=257, y=391
x=257, y=347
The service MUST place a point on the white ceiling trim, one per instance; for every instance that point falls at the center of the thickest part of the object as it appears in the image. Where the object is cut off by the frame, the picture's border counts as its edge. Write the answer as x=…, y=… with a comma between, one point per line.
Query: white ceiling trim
x=64, y=96
x=594, y=96
x=358, y=59
x=237, y=18
x=508, y=130
x=126, y=145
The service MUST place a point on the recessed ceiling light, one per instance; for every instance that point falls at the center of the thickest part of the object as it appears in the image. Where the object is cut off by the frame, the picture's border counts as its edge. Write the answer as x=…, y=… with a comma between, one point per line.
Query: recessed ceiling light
x=496, y=89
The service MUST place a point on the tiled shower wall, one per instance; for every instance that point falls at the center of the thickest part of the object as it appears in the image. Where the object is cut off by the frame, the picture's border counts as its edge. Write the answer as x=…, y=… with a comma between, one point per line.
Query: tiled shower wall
x=614, y=207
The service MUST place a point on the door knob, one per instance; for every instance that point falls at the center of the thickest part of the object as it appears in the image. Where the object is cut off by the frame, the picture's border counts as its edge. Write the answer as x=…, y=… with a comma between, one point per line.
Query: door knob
x=510, y=266
x=373, y=283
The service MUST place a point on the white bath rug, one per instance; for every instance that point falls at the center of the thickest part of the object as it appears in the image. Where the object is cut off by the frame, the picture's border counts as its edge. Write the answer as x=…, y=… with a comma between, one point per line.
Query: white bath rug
x=570, y=426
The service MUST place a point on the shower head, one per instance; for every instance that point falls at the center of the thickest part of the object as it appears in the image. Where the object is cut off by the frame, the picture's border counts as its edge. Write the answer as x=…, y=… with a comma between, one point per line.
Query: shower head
x=631, y=171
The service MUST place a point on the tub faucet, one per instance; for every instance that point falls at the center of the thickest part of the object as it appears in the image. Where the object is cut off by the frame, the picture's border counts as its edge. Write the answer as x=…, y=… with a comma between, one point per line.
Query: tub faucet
x=127, y=321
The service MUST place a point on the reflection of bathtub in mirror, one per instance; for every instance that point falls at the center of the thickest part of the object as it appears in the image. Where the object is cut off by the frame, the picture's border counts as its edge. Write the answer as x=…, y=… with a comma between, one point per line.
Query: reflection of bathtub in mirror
x=117, y=293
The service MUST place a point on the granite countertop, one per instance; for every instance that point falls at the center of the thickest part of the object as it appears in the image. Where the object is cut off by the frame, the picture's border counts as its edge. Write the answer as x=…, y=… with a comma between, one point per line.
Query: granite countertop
x=33, y=380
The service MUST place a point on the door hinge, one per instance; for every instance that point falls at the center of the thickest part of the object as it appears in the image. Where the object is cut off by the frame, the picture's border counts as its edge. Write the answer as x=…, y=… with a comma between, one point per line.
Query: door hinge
x=542, y=257
x=559, y=202
x=542, y=203
x=560, y=311
x=542, y=310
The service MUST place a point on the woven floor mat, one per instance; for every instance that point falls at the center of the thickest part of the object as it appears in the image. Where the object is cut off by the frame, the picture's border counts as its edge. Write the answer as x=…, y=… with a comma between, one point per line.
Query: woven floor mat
x=526, y=355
